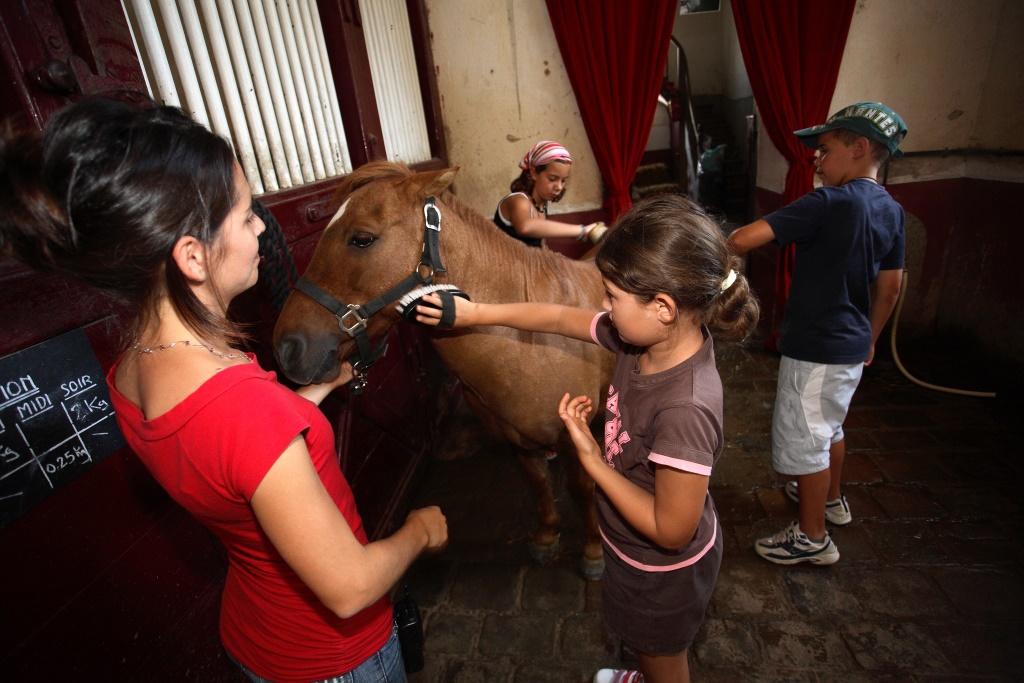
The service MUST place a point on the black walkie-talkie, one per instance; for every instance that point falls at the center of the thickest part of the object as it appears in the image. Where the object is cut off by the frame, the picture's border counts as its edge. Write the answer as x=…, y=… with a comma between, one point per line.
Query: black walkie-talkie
x=410, y=632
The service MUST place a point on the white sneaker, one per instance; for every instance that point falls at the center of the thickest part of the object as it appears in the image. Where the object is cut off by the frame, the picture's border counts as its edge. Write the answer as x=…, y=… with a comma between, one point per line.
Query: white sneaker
x=836, y=511
x=618, y=676
x=792, y=546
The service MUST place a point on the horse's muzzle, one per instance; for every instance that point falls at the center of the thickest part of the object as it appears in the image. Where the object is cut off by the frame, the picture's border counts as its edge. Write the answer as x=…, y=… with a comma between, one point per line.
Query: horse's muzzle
x=304, y=362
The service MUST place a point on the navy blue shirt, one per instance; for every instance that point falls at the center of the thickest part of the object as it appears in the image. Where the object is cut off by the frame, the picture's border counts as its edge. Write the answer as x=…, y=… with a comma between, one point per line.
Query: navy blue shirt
x=843, y=237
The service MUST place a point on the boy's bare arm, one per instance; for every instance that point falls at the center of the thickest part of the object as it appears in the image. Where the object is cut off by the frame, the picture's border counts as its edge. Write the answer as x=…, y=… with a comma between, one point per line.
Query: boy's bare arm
x=751, y=236
x=885, y=291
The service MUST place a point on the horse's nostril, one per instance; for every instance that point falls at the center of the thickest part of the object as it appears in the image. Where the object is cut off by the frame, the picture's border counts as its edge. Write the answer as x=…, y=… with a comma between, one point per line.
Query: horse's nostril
x=290, y=351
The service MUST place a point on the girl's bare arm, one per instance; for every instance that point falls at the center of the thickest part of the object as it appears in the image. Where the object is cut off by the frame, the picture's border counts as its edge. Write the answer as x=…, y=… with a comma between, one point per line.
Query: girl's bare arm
x=529, y=317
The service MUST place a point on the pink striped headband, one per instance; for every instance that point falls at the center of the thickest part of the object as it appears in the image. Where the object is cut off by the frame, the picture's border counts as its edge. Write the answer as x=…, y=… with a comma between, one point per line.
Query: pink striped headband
x=545, y=152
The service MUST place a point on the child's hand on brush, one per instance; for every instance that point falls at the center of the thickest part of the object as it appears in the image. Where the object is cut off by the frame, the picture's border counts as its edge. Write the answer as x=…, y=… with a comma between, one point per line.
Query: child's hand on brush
x=430, y=309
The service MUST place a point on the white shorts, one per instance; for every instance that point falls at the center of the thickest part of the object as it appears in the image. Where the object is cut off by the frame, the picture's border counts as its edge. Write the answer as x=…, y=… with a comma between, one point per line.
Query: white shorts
x=811, y=402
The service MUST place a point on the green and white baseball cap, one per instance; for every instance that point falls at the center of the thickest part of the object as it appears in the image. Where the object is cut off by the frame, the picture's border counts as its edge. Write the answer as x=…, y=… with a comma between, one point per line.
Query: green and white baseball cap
x=870, y=119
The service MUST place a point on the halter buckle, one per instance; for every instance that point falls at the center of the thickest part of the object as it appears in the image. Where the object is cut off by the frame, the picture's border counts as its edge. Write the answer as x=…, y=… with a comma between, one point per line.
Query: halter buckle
x=431, y=215
x=357, y=326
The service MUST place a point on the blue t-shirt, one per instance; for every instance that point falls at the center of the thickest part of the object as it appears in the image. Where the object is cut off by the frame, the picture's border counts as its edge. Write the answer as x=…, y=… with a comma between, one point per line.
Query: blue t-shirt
x=843, y=237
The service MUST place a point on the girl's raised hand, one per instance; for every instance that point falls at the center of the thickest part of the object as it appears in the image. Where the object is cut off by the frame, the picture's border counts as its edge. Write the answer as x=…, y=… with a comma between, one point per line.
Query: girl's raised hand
x=574, y=414
x=596, y=231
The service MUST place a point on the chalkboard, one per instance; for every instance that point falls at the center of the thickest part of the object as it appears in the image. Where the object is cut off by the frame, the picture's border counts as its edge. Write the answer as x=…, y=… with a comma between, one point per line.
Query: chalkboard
x=56, y=420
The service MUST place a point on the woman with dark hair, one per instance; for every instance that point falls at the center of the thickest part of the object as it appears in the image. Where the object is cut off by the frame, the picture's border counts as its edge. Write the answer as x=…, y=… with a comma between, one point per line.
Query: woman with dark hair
x=152, y=208
x=523, y=213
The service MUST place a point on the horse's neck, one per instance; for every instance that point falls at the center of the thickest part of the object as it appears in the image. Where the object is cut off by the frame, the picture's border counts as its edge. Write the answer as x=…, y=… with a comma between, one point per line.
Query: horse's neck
x=493, y=267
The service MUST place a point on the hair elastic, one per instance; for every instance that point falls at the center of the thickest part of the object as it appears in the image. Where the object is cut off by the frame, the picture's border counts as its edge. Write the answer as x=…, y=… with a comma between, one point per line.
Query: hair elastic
x=727, y=282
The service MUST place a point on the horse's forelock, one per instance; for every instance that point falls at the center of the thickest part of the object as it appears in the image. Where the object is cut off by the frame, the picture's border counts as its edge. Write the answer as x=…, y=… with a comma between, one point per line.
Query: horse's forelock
x=370, y=173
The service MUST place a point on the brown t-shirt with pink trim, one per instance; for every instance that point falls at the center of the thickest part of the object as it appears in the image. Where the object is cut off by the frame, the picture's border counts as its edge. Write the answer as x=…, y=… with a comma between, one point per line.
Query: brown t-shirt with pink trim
x=668, y=419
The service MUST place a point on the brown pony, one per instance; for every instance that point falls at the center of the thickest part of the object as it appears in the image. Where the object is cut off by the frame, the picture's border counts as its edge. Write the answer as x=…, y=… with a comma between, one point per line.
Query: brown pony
x=513, y=380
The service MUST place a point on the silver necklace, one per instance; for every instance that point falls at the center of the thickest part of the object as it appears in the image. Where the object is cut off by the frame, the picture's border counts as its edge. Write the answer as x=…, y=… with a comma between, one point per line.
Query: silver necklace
x=186, y=342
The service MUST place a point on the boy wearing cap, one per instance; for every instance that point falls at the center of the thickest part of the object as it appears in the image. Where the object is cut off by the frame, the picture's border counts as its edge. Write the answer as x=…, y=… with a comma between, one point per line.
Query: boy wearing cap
x=846, y=279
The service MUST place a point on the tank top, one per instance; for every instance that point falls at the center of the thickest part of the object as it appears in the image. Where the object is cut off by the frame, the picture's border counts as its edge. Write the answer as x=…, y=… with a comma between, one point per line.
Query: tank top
x=506, y=226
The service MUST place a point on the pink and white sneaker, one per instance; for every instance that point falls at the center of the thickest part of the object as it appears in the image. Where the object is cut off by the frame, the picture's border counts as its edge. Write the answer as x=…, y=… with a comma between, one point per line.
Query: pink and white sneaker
x=618, y=676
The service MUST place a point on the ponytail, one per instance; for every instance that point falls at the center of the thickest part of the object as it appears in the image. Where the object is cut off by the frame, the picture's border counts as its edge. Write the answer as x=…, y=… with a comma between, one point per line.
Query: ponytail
x=734, y=313
x=104, y=193
x=34, y=227
x=667, y=244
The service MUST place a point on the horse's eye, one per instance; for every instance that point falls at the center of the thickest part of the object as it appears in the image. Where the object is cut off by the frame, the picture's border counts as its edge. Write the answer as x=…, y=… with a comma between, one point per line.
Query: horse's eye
x=361, y=240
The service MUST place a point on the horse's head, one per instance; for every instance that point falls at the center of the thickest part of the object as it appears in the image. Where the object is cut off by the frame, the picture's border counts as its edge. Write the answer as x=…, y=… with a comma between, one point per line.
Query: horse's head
x=371, y=244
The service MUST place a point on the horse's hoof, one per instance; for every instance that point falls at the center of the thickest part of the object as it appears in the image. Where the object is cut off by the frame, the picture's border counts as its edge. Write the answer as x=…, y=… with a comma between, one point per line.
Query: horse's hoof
x=542, y=554
x=591, y=569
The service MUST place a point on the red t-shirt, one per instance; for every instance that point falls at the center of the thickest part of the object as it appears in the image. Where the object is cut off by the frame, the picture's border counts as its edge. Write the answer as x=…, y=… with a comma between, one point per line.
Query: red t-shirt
x=210, y=452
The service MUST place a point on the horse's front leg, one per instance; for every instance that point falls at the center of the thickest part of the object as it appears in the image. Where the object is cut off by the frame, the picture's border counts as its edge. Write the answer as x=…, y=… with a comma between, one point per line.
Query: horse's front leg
x=545, y=544
x=581, y=486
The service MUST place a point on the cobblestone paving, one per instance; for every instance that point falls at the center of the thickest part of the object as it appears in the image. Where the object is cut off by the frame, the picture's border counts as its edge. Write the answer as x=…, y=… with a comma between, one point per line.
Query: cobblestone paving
x=930, y=586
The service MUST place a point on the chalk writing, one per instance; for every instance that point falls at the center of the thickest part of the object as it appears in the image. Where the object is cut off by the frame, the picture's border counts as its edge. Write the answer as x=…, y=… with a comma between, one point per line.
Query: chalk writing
x=56, y=420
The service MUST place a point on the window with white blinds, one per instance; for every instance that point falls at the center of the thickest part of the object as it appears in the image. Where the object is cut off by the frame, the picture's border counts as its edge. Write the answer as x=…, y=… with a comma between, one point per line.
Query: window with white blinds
x=254, y=71
x=257, y=73
x=395, y=82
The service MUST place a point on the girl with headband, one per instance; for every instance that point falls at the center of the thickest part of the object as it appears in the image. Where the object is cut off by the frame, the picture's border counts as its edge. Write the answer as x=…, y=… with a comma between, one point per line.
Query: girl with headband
x=523, y=213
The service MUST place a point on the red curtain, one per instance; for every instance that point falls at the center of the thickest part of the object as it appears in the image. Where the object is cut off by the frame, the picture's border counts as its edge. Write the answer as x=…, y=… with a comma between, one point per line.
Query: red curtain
x=792, y=50
x=615, y=52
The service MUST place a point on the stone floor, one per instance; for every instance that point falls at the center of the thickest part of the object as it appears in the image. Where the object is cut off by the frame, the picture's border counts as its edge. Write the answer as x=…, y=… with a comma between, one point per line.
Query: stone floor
x=930, y=586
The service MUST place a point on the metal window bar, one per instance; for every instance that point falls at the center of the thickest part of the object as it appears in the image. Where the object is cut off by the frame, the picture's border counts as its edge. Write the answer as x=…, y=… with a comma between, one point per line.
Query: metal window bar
x=296, y=148
x=395, y=81
x=309, y=57
x=254, y=71
x=330, y=96
x=295, y=85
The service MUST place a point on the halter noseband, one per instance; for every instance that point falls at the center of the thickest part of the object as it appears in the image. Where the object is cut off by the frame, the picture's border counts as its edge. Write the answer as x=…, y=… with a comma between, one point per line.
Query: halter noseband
x=352, y=317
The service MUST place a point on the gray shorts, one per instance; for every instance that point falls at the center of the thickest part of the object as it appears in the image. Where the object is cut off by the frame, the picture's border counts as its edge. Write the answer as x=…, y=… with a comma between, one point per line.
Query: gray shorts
x=811, y=402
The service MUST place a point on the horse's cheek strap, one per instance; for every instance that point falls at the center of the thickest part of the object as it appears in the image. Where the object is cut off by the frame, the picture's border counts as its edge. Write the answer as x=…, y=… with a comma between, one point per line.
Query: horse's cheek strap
x=434, y=253
x=431, y=250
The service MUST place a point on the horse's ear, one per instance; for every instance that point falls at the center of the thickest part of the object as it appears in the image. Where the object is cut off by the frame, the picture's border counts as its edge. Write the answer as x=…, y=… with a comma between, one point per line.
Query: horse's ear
x=432, y=183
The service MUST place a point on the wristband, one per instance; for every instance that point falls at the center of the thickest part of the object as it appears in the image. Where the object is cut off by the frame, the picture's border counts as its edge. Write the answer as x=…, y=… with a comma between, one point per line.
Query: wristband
x=583, y=233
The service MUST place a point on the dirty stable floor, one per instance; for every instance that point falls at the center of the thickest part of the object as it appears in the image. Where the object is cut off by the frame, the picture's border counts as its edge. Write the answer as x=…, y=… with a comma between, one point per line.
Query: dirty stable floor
x=929, y=587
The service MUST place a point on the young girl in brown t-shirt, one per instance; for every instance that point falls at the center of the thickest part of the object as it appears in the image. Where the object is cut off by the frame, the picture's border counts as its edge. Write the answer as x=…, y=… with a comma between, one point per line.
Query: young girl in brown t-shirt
x=670, y=282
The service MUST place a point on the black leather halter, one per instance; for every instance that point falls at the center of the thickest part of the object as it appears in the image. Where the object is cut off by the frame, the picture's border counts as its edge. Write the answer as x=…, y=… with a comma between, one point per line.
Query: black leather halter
x=352, y=317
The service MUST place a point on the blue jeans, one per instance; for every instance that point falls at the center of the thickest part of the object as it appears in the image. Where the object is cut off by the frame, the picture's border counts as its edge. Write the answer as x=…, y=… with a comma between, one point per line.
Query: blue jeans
x=384, y=666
